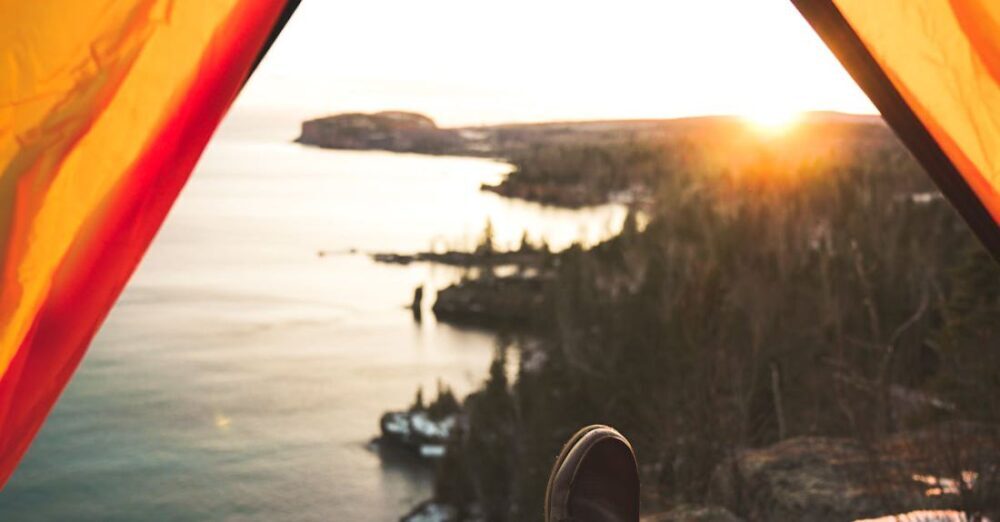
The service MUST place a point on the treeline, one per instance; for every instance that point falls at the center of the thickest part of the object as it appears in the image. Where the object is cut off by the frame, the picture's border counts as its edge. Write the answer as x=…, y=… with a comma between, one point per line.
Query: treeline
x=814, y=284
x=583, y=173
x=586, y=166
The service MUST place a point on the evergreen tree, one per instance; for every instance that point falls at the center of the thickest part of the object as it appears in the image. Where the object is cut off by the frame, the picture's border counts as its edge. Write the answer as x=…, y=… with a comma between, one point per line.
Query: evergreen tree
x=418, y=401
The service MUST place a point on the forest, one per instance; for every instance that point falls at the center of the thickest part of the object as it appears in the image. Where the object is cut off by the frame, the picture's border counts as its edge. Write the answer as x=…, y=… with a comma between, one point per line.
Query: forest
x=802, y=296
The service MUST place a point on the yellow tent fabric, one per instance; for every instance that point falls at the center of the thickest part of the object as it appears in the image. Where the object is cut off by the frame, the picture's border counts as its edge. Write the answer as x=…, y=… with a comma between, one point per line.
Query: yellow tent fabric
x=105, y=106
x=944, y=58
x=932, y=67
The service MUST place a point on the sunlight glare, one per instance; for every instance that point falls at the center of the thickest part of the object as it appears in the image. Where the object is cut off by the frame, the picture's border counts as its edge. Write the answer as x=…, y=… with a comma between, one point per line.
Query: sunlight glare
x=772, y=120
x=222, y=422
x=654, y=60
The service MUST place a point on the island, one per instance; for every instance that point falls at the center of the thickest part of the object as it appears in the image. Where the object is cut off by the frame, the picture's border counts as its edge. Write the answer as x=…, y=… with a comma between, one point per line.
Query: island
x=395, y=131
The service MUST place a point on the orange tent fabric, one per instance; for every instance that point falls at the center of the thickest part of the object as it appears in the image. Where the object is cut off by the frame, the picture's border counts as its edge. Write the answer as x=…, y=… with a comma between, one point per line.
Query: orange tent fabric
x=105, y=106
x=932, y=67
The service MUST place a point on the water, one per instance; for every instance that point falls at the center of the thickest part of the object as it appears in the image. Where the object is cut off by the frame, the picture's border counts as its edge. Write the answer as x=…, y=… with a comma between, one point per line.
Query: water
x=241, y=375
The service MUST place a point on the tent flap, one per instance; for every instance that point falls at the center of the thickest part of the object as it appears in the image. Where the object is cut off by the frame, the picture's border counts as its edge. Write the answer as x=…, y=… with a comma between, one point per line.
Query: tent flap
x=105, y=107
x=933, y=70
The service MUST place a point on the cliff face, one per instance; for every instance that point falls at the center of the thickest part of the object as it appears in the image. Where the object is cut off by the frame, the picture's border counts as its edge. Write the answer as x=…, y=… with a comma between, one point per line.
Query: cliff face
x=395, y=131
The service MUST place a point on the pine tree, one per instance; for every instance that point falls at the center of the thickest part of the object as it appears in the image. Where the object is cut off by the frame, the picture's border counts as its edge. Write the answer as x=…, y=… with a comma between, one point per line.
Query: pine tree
x=418, y=401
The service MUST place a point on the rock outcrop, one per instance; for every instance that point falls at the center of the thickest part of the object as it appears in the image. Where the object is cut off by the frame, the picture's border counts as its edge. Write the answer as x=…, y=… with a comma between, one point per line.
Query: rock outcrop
x=395, y=131
x=512, y=301
x=418, y=431
x=840, y=480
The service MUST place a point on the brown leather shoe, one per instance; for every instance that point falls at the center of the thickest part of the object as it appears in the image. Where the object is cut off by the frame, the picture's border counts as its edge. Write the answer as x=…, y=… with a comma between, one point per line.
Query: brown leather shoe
x=595, y=479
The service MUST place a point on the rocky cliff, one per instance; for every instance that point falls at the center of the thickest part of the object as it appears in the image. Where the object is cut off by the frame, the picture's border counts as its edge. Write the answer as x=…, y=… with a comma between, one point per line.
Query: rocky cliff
x=395, y=131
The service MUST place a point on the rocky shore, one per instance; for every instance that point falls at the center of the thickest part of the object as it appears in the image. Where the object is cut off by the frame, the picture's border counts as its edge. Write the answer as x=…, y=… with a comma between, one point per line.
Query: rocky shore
x=465, y=259
x=417, y=432
x=514, y=301
x=572, y=196
x=423, y=430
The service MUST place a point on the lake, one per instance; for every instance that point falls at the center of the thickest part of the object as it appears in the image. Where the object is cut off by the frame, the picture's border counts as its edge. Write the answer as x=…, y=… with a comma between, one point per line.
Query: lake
x=241, y=375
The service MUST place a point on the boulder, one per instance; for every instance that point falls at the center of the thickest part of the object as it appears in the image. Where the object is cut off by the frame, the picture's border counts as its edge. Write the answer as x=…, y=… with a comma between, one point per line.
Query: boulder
x=836, y=479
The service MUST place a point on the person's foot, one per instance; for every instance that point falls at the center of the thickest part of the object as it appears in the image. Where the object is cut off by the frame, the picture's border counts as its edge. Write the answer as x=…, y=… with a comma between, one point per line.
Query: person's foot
x=595, y=479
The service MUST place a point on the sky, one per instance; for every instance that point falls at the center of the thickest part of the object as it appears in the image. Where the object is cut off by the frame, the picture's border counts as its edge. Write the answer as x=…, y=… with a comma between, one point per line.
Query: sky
x=467, y=62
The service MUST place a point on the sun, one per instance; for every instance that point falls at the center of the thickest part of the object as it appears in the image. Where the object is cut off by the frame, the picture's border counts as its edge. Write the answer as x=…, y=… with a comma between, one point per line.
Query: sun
x=772, y=120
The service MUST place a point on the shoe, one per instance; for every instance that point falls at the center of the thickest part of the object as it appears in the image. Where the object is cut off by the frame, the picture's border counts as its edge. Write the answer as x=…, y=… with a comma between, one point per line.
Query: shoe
x=595, y=479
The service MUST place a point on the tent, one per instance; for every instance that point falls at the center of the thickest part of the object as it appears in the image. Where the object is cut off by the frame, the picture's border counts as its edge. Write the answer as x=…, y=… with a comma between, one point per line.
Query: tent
x=932, y=67
x=105, y=106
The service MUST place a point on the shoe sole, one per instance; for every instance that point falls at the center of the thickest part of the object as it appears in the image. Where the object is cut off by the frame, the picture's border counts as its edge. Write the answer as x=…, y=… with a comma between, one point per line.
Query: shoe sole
x=564, y=454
